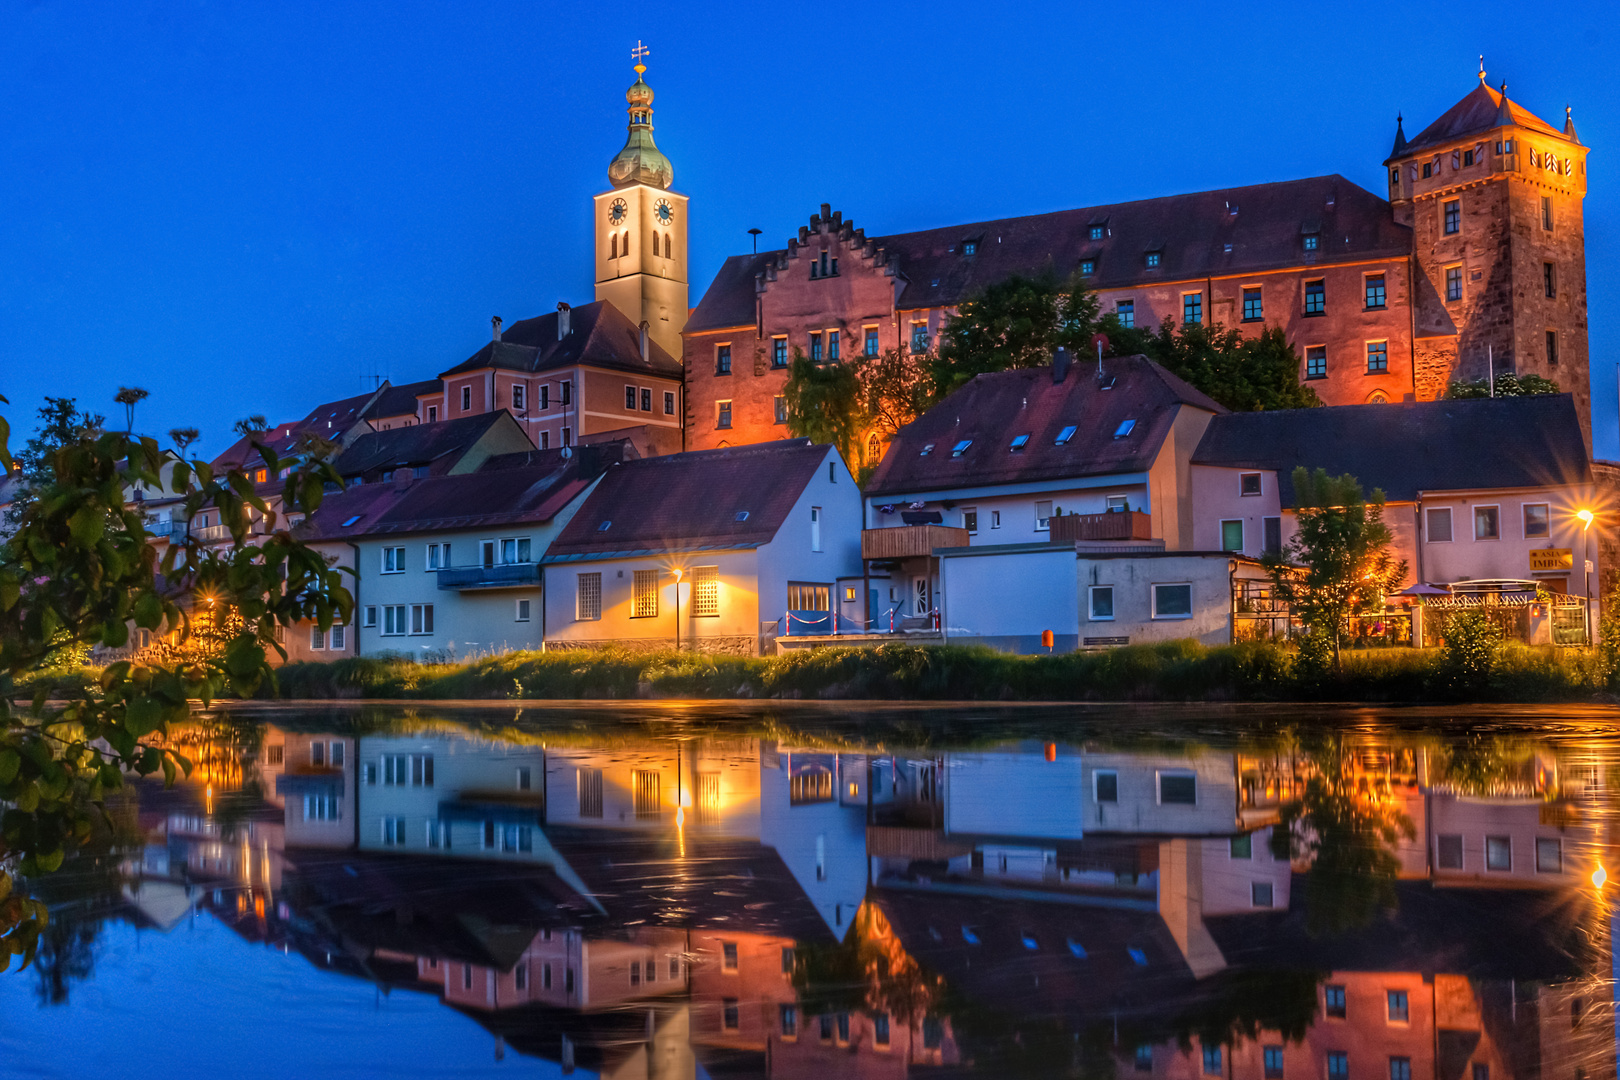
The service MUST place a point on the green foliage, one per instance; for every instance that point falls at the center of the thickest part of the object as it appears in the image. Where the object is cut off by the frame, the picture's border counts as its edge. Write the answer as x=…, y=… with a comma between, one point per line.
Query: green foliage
x=129, y=397
x=1608, y=644
x=1018, y=322
x=1244, y=374
x=77, y=572
x=1506, y=385
x=857, y=405
x=1471, y=643
x=1342, y=544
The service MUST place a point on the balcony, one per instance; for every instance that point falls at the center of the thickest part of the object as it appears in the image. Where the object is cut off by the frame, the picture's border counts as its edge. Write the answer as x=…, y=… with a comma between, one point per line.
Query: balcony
x=213, y=534
x=1117, y=525
x=167, y=530
x=910, y=541
x=506, y=576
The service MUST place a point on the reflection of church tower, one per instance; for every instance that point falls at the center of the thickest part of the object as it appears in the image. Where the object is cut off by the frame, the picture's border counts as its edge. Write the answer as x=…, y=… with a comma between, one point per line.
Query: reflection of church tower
x=641, y=230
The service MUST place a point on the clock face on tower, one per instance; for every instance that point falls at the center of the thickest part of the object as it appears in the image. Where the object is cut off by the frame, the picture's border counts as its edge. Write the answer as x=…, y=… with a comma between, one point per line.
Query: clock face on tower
x=665, y=212
x=617, y=210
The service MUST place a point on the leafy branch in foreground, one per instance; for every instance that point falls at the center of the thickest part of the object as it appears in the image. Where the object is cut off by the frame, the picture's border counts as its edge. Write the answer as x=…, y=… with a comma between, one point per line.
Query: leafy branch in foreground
x=78, y=570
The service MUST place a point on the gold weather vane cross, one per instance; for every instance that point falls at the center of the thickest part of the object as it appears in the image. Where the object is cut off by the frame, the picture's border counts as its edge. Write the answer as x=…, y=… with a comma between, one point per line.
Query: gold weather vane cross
x=639, y=53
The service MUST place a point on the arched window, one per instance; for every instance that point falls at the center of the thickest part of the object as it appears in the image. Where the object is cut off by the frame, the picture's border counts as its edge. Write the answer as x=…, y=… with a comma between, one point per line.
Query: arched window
x=626, y=250
x=614, y=245
x=872, y=449
x=667, y=246
x=1377, y=398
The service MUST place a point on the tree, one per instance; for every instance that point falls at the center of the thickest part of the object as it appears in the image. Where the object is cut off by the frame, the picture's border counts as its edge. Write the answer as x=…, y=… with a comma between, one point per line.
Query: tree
x=1018, y=322
x=60, y=423
x=1245, y=374
x=183, y=437
x=129, y=397
x=1504, y=385
x=857, y=405
x=1337, y=562
x=78, y=565
x=250, y=426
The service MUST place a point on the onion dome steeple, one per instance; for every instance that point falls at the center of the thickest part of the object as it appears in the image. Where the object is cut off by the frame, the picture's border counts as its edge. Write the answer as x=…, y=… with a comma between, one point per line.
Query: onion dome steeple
x=640, y=162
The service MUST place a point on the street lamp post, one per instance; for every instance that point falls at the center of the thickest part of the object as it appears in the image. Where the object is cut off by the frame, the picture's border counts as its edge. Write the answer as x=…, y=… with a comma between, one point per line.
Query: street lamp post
x=1586, y=566
x=677, y=609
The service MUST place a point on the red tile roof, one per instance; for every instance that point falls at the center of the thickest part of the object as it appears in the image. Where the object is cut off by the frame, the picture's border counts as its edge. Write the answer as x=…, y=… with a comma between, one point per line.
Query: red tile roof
x=692, y=501
x=992, y=410
x=1478, y=112
x=600, y=335
x=1262, y=223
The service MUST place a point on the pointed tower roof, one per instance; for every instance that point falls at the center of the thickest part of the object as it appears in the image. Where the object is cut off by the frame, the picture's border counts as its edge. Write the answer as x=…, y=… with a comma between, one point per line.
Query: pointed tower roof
x=1481, y=110
x=640, y=162
x=1569, y=126
x=1400, y=138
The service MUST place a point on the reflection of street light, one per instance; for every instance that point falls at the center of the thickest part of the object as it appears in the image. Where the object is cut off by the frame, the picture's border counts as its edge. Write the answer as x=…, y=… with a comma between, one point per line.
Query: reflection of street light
x=1585, y=517
x=1599, y=876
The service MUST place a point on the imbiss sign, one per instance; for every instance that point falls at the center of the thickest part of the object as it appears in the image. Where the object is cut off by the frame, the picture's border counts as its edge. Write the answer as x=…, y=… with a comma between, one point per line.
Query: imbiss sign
x=1551, y=560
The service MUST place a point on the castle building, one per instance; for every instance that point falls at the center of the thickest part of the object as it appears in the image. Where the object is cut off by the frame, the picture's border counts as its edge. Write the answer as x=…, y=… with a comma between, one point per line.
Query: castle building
x=1474, y=264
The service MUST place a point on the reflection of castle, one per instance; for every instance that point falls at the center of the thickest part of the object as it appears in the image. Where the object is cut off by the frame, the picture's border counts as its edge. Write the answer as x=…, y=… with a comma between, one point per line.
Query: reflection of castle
x=653, y=908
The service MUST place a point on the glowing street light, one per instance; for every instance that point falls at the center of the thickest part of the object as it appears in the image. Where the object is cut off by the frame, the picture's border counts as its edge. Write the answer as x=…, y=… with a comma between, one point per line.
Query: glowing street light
x=1586, y=517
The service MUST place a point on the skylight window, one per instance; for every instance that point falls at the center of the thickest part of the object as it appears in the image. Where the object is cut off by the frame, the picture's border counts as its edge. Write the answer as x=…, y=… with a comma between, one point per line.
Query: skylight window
x=605, y=526
x=1124, y=428
x=1077, y=949
x=1029, y=941
x=926, y=450
x=742, y=515
x=351, y=521
x=969, y=936
x=1066, y=434
x=1138, y=956
x=960, y=448
x=1018, y=443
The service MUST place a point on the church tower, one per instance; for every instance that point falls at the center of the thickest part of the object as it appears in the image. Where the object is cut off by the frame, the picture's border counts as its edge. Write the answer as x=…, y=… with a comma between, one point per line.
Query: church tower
x=1494, y=196
x=641, y=229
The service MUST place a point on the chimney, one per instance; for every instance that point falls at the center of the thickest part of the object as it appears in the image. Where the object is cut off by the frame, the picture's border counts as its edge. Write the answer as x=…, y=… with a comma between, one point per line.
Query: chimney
x=495, y=328
x=645, y=355
x=1060, y=365
x=564, y=323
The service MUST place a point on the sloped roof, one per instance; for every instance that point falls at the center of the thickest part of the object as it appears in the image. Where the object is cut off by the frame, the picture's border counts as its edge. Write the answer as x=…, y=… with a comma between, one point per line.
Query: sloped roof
x=347, y=514
x=329, y=421
x=600, y=335
x=691, y=501
x=1263, y=223
x=417, y=444
x=1410, y=447
x=401, y=400
x=1479, y=111
x=993, y=409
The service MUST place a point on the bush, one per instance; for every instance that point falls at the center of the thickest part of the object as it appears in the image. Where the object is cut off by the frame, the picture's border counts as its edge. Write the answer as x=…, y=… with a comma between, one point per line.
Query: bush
x=1470, y=644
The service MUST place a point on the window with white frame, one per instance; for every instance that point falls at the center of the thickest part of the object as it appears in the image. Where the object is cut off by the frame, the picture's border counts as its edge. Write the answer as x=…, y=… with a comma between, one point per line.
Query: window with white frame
x=1248, y=483
x=995, y=519
x=1487, y=523
x=438, y=556
x=1172, y=600
x=369, y=616
x=393, y=560
x=317, y=638
x=587, y=597
x=466, y=398
x=644, y=595
x=1105, y=786
x=520, y=397
x=1232, y=534
x=815, y=528
x=630, y=398
x=970, y=520
x=1043, y=515
x=421, y=618
x=1549, y=855
x=323, y=808
x=393, y=831
x=339, y=638
x=393, y=620
x=1102, y=603
x=522, y=611
x=705, y=591
x=1437, y=524
x=1178, y=787
x=515, y=550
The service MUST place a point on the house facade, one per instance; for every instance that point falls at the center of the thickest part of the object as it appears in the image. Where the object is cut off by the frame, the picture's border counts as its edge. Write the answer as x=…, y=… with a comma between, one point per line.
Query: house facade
x=1477, y=257
x=721, y=550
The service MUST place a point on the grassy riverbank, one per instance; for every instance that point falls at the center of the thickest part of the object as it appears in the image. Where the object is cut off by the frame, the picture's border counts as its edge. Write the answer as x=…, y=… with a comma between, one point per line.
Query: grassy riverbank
x=1176, y=671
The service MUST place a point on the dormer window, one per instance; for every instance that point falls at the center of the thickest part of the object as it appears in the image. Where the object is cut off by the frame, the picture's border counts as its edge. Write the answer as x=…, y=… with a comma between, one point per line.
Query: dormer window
x=1088, y=267
x=1065, y=435
x=961, y=448
x=1018, y=443
x=1124, y=429
x=742, y=515
x=970, y=247
x=1096, y=232
x=605, y=526
x=927, y=449
x=1312, y=242
x=1153, y=258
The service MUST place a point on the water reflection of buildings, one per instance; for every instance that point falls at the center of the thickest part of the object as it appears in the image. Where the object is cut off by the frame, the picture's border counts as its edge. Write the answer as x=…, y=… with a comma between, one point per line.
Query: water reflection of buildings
x=647, y=908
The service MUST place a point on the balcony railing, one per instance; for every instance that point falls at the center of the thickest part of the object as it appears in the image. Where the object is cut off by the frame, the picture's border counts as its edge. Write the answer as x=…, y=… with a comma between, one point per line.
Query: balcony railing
x=167, y=530
x=910, y=541
x=212, y=534
x=1115, y=525
x=506, y=576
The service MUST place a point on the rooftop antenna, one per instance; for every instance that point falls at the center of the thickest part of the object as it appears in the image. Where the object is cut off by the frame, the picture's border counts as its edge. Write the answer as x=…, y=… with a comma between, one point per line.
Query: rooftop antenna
x=755, y=234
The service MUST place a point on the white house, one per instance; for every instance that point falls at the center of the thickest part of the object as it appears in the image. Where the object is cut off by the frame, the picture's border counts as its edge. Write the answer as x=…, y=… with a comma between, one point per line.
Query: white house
x=717, y=550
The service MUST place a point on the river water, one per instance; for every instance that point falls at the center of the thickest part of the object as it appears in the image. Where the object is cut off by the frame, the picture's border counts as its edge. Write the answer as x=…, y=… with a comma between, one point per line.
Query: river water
x=668, y=890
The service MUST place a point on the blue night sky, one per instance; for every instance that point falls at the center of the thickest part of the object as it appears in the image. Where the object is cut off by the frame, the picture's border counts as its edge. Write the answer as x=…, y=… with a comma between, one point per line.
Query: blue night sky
x=251, y=208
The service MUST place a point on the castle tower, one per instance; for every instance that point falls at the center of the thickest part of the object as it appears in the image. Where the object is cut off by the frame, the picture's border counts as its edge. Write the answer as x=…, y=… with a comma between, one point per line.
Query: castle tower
x=1494, y=197
x=641, y=229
